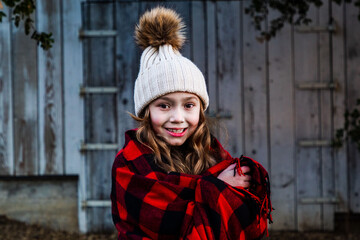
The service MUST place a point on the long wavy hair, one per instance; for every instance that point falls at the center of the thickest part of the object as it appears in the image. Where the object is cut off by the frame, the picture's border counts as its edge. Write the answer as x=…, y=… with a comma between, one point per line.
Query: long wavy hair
x=193, y=157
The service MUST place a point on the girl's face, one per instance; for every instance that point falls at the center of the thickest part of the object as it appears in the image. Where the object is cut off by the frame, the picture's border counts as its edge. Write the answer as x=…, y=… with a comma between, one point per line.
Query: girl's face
x=175, y=116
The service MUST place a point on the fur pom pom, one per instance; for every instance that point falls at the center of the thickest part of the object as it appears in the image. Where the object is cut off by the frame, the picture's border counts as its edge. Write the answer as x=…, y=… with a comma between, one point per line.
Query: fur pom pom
x=160, y=26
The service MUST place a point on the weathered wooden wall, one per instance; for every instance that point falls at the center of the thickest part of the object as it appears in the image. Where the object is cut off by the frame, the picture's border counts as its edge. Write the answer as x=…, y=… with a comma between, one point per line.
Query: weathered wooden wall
x=255, y=91
x=41, y=111
x=352, y=88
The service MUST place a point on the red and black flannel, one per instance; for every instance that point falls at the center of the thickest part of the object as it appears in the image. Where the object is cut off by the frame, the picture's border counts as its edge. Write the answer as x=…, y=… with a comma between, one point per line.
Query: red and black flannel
x=148, y=203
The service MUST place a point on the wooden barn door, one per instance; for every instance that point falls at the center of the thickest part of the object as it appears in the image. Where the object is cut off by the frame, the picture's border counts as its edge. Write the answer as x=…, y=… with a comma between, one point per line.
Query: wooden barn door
x=100, y=92
x=111, y=63
x=316, y=95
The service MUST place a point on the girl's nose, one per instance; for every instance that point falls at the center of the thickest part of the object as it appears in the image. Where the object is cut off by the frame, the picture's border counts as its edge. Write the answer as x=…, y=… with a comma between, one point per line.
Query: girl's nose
x=177, y=116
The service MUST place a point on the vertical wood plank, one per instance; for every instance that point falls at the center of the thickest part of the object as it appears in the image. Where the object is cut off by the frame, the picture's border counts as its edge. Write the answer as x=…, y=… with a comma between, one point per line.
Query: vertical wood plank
x=326, y=118
x=25, y=103
x=281, y=90
x=203, y=44
x=73, y=79
x=183, y=8
x=127, y=64
x=198, y=35
x=340, y=156
x=6, y=118
x=229, y=80
x=50, y=91
x=73, y=104
x=308, y=160
x=255, y=94
x=211, y=58
x=353, y=93
x=100, y=109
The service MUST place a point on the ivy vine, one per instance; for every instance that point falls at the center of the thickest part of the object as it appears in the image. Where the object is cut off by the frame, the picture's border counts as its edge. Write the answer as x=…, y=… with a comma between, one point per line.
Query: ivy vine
x=290, y=11
x=351, y=129
x=21, y=12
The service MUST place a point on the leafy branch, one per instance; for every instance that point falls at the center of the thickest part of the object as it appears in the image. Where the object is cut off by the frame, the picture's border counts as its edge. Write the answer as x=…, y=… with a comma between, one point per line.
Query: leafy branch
x=351, y=129
x=21, y=12
x=292, y=12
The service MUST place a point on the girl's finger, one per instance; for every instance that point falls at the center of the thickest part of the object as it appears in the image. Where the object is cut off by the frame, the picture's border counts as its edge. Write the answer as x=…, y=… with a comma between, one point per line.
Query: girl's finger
x=245, y=170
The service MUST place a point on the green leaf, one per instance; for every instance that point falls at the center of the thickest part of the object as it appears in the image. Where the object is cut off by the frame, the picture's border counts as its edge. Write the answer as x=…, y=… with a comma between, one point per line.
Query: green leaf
x=355, y=114
x=346, y=114
x=45, y=40
x=338, y=2
x=17, y=21
x=318, y=3
x=336, y=143
x=2, y=14
x=9, y=3
x=28, y=25
x=340, y=133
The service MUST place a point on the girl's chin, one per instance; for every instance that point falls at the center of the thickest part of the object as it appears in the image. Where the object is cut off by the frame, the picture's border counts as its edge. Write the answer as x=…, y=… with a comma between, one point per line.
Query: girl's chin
x=175, y=143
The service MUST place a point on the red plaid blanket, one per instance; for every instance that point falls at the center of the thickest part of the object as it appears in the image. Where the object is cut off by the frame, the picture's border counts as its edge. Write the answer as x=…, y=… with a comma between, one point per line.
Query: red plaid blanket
x=150, y=204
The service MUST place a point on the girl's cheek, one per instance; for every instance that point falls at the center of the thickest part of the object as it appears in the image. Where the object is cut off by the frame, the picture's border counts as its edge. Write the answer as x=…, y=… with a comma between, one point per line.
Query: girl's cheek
x=155, y=122
x=195, y=120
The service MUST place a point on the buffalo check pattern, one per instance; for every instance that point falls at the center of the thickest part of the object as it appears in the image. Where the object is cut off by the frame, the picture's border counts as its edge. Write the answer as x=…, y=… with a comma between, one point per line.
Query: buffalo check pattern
x=148, y=203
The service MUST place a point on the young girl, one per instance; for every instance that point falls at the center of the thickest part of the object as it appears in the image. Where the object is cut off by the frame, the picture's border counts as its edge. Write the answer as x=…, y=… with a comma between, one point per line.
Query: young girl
x=173, y=179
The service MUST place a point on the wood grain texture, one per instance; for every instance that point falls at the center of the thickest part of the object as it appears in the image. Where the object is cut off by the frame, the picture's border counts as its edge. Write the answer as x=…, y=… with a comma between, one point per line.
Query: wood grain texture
x=326, y=118
x=6, y=118
x=282, y=132
x=229, y=82
x=339, y=96
x=255, y=94
x=198, y=36
x=127, y=66
x=50, y=91
x=211, y=57
x=100, y=109
x=73, y=79
x=353, y=93
x=25, y=105
x=307, y=126
x=73, y=103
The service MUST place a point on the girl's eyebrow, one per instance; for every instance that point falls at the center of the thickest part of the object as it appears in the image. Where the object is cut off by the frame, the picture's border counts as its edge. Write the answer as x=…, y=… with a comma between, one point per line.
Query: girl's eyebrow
x=173, y=100
x=166, y=99
x=190, y=98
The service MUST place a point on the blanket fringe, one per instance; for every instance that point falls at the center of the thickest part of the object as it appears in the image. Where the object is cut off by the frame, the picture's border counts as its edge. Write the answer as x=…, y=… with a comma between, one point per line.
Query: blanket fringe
x=266, y=206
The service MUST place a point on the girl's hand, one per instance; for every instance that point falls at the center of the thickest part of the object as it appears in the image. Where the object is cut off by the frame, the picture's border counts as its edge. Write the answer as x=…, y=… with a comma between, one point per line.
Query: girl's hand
x=227, y=175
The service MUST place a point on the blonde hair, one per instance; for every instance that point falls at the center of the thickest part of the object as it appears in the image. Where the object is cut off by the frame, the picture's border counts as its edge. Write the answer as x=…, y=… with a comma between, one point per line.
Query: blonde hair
x=193, y=157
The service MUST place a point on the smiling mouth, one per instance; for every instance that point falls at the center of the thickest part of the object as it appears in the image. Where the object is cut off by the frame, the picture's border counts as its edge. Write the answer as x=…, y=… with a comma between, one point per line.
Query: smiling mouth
x=176, y=132
x=173, y=130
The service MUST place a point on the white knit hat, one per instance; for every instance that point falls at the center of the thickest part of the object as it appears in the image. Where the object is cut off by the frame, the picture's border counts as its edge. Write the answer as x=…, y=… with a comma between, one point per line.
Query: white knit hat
x=163, y=69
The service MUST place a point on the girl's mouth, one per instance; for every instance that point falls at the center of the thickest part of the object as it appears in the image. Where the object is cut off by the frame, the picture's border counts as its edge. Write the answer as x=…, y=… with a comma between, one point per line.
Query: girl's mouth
x=176, y=132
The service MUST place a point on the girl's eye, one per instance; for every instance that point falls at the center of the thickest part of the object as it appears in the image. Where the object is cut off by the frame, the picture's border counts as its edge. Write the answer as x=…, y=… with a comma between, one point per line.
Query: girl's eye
x=164, y=106
x=189, y=105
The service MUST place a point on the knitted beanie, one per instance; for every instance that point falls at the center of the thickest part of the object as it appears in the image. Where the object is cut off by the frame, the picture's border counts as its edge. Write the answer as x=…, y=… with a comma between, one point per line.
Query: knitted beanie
x=163, y=69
